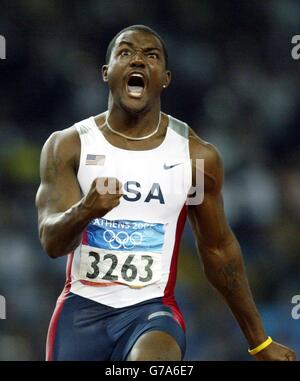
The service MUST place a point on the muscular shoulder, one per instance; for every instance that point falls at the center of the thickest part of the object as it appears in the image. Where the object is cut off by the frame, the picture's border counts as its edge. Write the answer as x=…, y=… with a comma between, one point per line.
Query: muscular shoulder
x=213, y=164
x=64, y=144
x=62, y=150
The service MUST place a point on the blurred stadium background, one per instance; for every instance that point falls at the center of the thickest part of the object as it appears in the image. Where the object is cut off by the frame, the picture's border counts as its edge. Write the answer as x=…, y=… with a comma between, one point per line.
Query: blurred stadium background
x=234, y=82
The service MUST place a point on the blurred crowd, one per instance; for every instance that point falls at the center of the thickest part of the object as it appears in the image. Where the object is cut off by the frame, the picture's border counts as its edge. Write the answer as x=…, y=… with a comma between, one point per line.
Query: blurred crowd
x=234, y=81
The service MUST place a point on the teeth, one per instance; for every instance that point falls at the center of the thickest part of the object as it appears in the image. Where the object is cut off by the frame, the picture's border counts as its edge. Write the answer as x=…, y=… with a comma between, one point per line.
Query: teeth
x=136, y=75
x=135, y=89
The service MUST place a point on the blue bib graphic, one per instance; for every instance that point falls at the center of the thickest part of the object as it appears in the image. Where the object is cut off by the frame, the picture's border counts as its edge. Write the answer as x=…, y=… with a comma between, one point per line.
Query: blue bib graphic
x=126, y=235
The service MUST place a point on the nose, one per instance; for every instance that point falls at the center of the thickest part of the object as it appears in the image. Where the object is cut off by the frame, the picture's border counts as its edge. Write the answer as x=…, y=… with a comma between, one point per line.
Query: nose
x=137, y=60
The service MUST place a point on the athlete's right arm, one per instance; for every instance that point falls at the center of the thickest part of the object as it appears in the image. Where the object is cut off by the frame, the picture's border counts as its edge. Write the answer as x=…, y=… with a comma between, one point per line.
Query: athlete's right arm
x=62, y=213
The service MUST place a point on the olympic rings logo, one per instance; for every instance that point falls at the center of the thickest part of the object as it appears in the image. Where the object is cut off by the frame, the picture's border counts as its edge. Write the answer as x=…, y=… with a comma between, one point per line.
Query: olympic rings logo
x=122, y=239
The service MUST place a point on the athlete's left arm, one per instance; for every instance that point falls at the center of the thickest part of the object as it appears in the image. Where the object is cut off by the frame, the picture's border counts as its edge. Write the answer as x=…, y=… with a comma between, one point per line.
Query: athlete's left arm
x=221, y=253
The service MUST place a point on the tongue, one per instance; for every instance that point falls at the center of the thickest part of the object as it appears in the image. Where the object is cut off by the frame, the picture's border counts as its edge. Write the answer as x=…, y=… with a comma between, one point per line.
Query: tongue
x=135, y=89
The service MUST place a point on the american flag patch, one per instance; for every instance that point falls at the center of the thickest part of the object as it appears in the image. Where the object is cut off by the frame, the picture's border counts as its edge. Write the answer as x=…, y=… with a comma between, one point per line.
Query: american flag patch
x=94, y=159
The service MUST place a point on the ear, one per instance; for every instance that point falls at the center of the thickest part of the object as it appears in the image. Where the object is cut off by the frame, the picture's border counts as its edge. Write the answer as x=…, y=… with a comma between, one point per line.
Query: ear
x=104, y=73
x=167, y=79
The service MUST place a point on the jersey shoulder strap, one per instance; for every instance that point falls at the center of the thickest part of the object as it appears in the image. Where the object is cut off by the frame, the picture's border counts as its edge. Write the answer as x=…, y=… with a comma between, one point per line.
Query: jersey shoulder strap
x=181, y=128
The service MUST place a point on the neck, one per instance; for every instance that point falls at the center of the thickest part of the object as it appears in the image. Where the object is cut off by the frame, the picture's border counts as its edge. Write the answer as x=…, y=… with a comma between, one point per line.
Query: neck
x=133, y=124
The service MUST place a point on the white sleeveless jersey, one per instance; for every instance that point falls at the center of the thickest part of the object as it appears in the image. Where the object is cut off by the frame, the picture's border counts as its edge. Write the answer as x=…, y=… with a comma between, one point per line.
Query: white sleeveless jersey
x=130, y=254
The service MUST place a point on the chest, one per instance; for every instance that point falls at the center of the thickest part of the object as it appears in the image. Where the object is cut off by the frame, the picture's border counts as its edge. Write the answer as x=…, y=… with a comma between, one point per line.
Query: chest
x=154, y=185
x=147, y=177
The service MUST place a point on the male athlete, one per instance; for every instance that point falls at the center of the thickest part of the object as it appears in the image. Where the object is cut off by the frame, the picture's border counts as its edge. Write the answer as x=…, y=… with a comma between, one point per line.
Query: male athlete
x=113, y=198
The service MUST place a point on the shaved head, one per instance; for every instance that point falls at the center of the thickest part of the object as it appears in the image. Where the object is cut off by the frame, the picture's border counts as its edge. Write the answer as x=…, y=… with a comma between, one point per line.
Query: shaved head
x=142, y=28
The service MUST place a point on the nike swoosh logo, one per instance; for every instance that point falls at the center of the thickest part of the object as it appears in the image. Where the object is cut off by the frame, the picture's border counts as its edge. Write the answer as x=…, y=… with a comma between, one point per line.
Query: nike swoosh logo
x=171, y=166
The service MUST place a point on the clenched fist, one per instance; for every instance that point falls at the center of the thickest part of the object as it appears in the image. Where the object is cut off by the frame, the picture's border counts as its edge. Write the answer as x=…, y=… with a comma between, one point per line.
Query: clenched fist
x=103, y=196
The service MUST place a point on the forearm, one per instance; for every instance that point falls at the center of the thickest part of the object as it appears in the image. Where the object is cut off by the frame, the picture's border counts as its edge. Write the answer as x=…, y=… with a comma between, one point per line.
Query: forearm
x=61, y=233
x=225, y=270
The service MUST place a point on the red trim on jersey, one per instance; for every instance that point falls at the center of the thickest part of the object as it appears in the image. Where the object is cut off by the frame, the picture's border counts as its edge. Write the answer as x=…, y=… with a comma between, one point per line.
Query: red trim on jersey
x=168, y=297
x=57, y=311
x=85, y=239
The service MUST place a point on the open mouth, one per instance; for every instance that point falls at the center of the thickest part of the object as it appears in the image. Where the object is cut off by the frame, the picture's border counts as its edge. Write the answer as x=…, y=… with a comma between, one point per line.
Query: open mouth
x=135, y=85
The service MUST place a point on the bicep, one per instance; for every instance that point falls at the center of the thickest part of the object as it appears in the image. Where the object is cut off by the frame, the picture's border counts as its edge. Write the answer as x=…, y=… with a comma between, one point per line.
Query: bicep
x=209, y=222
x=208, y=219
x=59, y=188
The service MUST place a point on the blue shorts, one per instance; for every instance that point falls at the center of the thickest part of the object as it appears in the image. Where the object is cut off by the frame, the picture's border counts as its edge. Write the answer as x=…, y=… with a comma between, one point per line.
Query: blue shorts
x=85, y=330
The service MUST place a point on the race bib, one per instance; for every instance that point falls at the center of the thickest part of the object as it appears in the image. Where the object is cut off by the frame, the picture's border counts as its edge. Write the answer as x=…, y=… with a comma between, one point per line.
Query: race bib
x=122, y=251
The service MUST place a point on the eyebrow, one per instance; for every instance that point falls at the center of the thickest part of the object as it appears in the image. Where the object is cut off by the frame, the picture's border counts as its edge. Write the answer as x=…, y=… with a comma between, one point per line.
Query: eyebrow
x=150, y=48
